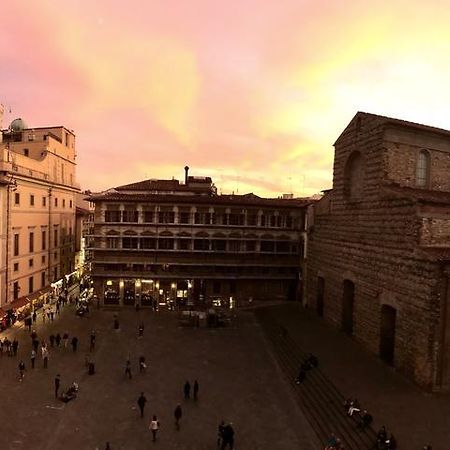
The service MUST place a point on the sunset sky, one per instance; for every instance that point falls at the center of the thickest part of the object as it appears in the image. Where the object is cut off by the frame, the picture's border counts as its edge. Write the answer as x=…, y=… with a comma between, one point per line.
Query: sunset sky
x=250, y=92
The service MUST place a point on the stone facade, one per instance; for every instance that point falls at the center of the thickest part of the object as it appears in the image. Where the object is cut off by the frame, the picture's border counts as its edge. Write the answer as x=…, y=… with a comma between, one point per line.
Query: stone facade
x=379, y=243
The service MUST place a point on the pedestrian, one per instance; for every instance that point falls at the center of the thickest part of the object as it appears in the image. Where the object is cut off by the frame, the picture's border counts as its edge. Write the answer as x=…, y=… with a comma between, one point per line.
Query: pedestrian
x=154, y=427
x=57, y=384
x=187, y=390
x=128, y=369
x=34, y=316
x=142, y=365
x=52, y=340
x=141, y=401
x=196, y=388
x=58, y=339
x=228, y=437
x=35, y=344
x=52, y=314
x=116, y=322
x=92, y=346
x=74, y=343
x=33, y=335
x=141, y=330
x=44, y=352
x=33, y=358
x=15, y=345
x=220, y=434
x=178, y=413
x=108, y=447
x=21, y=370
x=65, y=339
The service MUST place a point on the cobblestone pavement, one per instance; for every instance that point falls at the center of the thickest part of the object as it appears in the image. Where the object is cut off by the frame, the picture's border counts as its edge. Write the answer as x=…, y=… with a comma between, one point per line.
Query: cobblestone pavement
x=239, y=382
x=415, y=417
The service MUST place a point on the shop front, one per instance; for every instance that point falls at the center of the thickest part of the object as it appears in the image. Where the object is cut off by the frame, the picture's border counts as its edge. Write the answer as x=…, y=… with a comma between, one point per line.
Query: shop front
x=111, y=292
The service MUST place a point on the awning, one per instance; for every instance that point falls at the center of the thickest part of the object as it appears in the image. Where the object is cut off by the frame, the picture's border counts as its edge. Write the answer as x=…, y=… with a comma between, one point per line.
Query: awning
x=22, y=301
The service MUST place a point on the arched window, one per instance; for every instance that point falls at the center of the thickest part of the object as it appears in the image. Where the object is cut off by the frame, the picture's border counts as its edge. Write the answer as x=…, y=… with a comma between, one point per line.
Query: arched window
x=354, y=176
x=423, y=169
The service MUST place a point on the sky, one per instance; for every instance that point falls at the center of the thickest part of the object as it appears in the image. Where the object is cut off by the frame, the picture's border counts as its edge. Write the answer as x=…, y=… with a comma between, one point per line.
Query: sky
x=250, y=92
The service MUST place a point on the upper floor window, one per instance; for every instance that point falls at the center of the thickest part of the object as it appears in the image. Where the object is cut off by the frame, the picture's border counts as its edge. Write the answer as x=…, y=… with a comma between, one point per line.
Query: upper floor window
x=166, y=217
x=130, y=216
x=26, y=152
x=17, y=198
x=423, y=169
x=354, y=176
x=44, y=201
x=31, y=200
x=112, y=216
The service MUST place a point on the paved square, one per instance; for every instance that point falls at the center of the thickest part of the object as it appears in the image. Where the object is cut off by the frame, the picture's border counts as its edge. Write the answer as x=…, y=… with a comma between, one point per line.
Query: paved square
x=239, y=382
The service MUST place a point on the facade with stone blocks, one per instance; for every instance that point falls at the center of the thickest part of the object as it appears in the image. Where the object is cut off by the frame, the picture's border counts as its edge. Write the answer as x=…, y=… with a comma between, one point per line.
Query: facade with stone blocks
x=378, y=260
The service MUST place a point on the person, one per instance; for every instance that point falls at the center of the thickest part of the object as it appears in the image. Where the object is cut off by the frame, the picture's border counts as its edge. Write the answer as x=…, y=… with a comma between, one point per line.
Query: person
x=141, y=401
x=15, y=346
x=366, y=419
x=21, y=370
x=228, y=437
x=142, y=365
x=57, y=384
x=108, y=447
x=427, y=447
x=178, y=413
x=74, y=343
x=154, y=427
x=391, y=443
x=116, y=322
x=312, y=361
x=128, y=369
x=44, y=353
x=300, y=377
x=58, y=339
x=141, y=330
x=52, y=340
x=187, y=390
x=220, y=433
x=65, y=339
x=381, y=438
x=33, y=358
x=196, y=388
x=34, y=316
x=354, y=407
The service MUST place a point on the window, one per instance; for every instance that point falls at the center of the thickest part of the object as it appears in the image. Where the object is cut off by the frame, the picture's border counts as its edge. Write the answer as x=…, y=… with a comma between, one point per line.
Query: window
x=30, y=285
x=354, y=176
x=44, y=239
x=30, y=262
x=148, y=243
x=423, y=169
x=183, y=244
x=44, y=201
x=148, y=216
x=42, y=279
x=250, y=246
x=64, y=202
x=16, y=267
x=252, y=220
x=70, y=203
x=267, y=246
x=263, y=220
x=55, y=256
x=31, y=247
x=219, y=245
x=165, y=243
x=234, y=246
x=31, y=200
x=55, y=235
x=43, y=259
x=56, y=201
x=129, y=242
x=166, y=217
x=16, y=290
x=201, y=244
x=16, y=244
x=17, y=198
x=112, y=216
x=112, y=242
x=26, y=152
x=184, y=217
x=130, y=216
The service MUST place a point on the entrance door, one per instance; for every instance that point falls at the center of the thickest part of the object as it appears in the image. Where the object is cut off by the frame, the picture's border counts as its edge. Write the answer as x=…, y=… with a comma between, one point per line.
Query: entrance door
x=347, y=306
x=320, y=294
x=387, y=333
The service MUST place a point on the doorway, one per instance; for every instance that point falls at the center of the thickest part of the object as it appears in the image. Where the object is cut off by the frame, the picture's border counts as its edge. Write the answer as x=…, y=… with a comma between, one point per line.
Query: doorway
x=347, y=306
x=320, y=295
x=387, y=333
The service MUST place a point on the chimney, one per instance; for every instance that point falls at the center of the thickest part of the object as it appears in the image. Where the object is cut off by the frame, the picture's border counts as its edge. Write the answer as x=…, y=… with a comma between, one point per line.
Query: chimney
x=186, y=171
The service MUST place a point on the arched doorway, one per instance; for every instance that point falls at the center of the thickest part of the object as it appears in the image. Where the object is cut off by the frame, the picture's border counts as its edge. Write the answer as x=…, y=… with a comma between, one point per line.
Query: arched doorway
x=387, y=333
x=347, y=306
x=320, y=295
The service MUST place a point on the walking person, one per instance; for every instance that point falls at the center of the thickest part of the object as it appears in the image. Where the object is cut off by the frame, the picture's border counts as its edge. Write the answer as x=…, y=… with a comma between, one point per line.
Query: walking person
x=15, y=346
x=21, y=370
x=44, y=353
x=141, y=401
x=228, y=437
x=57, y=384
x=33, y=358
x=141, y=330
x=196, y=388
x=65, y=339
x=187, y=390
x=74, y=344
x=128, y=369
x=154, y=427
x=142, y=365
x=178, y=413
x=220, y=434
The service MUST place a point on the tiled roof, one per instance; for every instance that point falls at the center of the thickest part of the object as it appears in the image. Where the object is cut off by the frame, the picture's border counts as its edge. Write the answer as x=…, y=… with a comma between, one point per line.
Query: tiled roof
x=151, y=185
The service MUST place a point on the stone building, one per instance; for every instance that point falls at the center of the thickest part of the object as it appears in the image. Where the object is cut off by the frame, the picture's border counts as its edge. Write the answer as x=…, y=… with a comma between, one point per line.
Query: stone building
x=162, y=241
x=37, y=201
x=379, y=245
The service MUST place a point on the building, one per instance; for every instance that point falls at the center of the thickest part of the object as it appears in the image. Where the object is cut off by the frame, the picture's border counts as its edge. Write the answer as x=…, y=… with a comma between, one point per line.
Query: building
x=164, y=241
x=37, y=200
x=84, y=223
x=379, y=245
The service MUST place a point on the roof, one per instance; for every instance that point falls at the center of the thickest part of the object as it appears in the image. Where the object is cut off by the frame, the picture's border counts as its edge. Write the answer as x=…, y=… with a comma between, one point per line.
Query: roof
x=150, y=185
x=419, y=195
x=237, y=200
x=383, y=120
x=435, y=253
